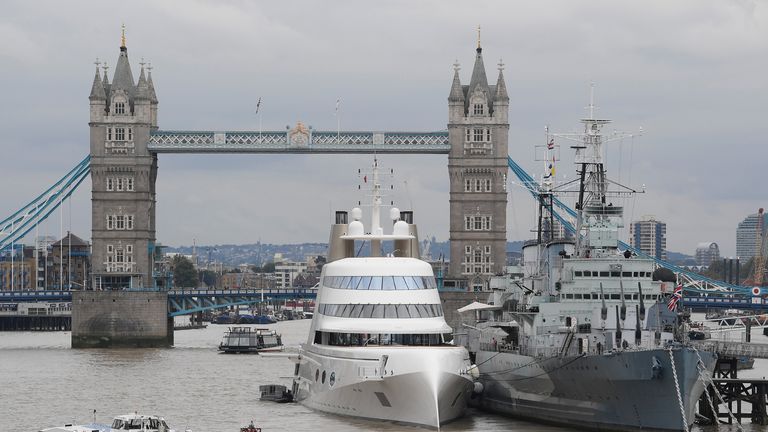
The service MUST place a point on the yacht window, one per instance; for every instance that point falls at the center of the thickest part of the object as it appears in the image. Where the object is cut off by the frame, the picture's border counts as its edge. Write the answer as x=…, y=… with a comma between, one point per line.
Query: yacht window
x=603, y=274
x=344, y=311
x=634, y=296
x=409, y=283
x=402, y=311
x=413, y=311
x=367, y=311
x=365, y=283
x=578, y=274
x=418, y=282
x=577, y=297
x=423, y=312
x=587, y=273
x=345, y=282
x=627, y=296
x=390, y=311
x=375, y=283
x=569, y=296
x=615, y=297
x=388, y=283
x=635, y=274
x=615, y=274
x=355, y=312
x=626, y=274
x=353, y=284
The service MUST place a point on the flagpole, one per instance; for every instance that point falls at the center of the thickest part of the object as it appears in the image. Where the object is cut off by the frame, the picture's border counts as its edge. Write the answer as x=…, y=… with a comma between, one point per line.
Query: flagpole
x=338, y=121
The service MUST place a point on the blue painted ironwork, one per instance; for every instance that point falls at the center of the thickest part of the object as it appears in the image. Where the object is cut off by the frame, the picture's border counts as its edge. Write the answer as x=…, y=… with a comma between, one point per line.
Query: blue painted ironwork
x=24, y=220
x=180, y=302
x=729, y=302
x=298, y=140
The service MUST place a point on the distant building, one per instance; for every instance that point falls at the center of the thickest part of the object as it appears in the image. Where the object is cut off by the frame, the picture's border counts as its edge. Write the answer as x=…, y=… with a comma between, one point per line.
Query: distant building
x=248, y=280
x=71, y=257
x=649, y=236
x=747, y=238
x=707, y=253
x=286, y=272
x=18, y=268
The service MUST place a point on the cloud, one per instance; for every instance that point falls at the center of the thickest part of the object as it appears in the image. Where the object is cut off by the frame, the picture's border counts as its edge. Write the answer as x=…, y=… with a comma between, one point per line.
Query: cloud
x=691, y=73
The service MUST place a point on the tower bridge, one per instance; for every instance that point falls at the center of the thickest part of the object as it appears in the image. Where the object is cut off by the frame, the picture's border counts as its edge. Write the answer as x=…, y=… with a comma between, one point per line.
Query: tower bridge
x=125, y=141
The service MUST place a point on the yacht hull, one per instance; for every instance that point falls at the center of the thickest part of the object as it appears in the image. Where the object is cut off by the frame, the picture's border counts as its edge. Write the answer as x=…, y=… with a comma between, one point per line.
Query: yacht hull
x=612, y=392
x=426, y=386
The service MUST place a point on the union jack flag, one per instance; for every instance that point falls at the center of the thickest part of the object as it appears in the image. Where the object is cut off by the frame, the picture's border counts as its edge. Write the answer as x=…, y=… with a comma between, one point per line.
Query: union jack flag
x=551, y=144
x=676, y=296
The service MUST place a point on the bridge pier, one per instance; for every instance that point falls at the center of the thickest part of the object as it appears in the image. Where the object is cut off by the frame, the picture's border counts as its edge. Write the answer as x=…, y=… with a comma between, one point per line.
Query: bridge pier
x=130, y=319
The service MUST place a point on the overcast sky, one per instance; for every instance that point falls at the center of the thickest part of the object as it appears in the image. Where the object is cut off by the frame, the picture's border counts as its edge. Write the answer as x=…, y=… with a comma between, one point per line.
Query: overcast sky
x=691, y=73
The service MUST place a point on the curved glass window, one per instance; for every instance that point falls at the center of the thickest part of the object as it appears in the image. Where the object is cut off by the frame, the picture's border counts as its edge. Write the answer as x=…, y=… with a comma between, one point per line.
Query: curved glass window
x=381, y=310
x=389, y=283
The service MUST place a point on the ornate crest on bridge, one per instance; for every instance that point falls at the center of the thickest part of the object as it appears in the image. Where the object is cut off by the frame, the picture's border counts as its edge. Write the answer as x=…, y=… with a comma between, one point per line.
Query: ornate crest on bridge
x=299, y=136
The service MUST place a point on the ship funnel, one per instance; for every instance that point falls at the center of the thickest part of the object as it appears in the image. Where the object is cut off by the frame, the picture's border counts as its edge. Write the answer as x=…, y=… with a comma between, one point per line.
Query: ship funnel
x=642, y=303
x=407, y=247
x=339, y=248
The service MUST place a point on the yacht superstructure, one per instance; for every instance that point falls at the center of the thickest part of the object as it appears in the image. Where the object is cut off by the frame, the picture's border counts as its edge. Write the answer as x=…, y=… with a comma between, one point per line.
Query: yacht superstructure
x=377, y=347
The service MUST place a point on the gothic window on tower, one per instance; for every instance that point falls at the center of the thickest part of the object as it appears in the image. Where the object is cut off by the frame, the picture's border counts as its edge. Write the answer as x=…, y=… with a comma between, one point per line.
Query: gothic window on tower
x=119, y=134
x=110, y=184
x=469, y=135
x=467, y=185
x=120, y=184
x=478, y=109
x=109, y=134
x=477, y=135
x=120, y=108
x=129, y=184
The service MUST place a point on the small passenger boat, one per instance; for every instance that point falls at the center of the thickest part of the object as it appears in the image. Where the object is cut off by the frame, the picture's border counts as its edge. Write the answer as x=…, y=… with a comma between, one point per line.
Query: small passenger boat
x=250, y=340
x=275, y=393
x=135, y=422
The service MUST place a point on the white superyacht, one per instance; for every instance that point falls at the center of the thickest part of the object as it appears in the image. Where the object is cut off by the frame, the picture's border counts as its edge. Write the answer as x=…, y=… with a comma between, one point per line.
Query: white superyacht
x=376, y=347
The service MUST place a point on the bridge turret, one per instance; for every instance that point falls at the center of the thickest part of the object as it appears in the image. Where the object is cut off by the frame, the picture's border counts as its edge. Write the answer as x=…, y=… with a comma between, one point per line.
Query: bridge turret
x=123, y=174
x=501, y=98
x=98, y=97
x=456, y=109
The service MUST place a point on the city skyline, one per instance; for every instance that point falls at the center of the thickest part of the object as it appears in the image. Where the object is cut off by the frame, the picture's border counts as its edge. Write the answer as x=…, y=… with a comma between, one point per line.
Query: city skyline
x=694, y=86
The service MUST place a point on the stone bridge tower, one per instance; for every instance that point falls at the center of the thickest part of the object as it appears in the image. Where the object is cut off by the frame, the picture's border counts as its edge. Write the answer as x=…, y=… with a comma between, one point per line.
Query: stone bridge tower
x=478, y=128
x=123, y=174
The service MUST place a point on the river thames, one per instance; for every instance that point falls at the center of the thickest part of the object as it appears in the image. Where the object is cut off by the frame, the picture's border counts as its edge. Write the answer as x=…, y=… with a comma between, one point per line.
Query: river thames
x=46, y=384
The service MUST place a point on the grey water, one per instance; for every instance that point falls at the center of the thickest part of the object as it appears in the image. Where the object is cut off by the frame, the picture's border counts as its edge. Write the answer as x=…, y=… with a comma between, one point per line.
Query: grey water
x=44, y=383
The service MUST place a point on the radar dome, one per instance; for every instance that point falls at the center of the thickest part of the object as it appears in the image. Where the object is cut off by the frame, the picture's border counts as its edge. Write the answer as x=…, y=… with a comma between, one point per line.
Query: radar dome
x=356, y=213
x=401, y=228
x=394, y=213
x=355, y=228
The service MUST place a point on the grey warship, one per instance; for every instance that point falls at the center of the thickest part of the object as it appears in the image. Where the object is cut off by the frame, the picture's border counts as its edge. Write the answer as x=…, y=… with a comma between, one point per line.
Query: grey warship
x=581, y=339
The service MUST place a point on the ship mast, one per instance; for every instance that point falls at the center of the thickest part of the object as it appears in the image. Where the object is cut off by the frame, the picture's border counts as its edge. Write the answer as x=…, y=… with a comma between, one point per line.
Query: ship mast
x=593, y=210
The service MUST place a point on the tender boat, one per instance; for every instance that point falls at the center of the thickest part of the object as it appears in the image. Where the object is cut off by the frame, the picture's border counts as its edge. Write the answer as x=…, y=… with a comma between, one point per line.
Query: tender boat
x=377, y=346
x=250, y=340
x=275, y=393
x=134, y=422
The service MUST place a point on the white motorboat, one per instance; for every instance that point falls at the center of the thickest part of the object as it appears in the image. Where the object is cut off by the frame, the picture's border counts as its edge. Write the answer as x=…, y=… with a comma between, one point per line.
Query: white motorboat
x=377, y=346
x=134, y=422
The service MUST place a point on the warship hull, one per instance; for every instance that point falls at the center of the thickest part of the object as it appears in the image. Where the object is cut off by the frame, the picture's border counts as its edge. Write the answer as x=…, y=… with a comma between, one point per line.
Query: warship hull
x=620, y=391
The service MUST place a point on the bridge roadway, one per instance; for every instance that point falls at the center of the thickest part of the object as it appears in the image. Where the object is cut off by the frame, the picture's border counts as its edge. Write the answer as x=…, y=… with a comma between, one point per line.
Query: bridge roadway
x=726, y=301
x=180, y=301
x=300, y=139
x=733, y=348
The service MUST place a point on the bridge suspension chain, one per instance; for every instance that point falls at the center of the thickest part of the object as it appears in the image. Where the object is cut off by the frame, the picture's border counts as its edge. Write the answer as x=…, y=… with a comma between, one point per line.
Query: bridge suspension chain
x=21, y=222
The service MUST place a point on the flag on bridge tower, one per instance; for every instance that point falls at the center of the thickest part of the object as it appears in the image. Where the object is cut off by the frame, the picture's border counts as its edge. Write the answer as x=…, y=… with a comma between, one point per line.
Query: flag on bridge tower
x=551, y=144
x=338, y=102
x=258, y=105
x=677, y=295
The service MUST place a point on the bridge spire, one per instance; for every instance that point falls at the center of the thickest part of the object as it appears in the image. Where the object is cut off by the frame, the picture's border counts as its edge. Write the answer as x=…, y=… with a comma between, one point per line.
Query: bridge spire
x=122, y=38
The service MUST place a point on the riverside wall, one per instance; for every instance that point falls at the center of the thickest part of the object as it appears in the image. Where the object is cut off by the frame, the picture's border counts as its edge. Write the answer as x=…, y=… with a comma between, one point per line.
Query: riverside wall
x=130, y=319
